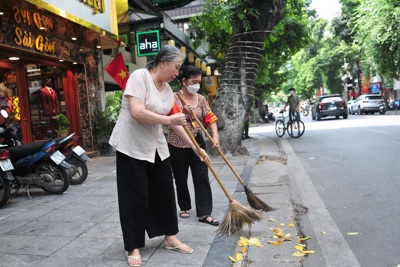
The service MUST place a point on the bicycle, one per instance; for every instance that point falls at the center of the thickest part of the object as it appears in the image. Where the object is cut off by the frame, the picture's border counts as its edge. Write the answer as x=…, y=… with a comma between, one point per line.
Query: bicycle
x=290, y=125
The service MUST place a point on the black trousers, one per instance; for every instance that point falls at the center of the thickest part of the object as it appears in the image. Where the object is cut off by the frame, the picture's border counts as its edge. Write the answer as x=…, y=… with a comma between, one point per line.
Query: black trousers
x=181, y=160
x=146, y=199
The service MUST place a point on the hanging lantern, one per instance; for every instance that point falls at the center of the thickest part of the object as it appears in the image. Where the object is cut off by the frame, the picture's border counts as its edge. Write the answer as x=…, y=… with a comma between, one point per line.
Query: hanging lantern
x=203, y=66
x=183, y=50
x=197, y=63
x=191, y=57
x=171, y=42
x=208, y=71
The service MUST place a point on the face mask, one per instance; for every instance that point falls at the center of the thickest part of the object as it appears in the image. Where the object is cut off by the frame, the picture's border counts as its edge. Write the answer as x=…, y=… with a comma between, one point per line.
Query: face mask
x=193, y=88
x=291, y=92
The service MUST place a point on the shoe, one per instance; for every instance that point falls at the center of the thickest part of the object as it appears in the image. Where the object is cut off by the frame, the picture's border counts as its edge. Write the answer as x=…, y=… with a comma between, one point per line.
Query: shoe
x=133, y=257
x=179, y=249
x=248, y=137
x=184, y=214
x=298, y=134
x=212, y=221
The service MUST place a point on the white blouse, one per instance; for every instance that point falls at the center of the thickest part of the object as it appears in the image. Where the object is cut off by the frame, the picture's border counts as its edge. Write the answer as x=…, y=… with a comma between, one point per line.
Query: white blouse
x=135, y=139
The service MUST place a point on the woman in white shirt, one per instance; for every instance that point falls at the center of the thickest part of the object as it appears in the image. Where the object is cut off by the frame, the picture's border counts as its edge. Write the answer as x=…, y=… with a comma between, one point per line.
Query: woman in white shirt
x=146, y=194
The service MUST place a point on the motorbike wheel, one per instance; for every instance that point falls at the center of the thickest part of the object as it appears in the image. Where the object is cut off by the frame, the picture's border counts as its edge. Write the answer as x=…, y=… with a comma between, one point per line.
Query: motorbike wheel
x=59, y=181
x=79, y=171
x=5, y=191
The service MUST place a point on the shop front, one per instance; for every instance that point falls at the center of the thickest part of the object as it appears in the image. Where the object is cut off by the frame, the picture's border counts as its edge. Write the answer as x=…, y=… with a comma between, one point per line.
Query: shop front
x=48, y=67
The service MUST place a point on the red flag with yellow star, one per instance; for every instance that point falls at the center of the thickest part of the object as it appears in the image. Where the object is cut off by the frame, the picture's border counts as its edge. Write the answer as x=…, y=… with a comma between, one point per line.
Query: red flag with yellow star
x=118, y=71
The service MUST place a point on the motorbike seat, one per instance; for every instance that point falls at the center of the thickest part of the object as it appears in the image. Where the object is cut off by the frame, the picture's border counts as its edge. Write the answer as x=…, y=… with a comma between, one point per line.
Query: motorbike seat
x=17, y=152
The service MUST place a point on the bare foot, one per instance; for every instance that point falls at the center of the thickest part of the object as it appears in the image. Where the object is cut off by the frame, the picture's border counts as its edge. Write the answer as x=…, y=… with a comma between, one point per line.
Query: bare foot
x=133, y=258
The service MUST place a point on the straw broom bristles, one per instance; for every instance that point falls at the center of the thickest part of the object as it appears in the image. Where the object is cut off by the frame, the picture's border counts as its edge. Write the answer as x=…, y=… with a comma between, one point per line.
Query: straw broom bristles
x=237, y=216
x=255, y=202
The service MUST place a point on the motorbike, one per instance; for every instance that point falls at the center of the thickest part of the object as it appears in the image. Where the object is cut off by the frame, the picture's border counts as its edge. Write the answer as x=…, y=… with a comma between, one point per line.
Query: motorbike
x=75, y=156
x=382, y=109
x=6, y=177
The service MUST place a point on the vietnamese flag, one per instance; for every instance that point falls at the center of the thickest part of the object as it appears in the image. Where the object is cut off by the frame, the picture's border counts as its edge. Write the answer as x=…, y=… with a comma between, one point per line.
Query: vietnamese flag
x=118, y=71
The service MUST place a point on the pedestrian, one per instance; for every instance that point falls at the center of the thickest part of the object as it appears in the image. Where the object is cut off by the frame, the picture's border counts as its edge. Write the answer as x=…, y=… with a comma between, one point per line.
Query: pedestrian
x=146, y=195
x=294, y=104
x=183, y=157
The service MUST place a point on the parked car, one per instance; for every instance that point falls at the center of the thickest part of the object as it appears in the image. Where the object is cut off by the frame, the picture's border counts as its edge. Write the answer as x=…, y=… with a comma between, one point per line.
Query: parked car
x=329, y=105
x=368, y=104
x=349, y=105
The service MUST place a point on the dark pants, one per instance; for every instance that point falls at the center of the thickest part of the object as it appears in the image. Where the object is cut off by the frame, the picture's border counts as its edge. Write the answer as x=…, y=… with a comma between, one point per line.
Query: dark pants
x=146, y=199
x=181, y=160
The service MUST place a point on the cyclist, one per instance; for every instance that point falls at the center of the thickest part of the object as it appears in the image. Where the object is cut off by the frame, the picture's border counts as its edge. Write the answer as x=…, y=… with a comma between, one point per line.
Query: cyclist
x=294, y=104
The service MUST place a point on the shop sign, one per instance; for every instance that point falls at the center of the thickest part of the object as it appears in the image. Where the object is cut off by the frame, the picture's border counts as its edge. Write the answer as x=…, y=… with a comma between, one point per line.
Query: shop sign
x=147, y=43
x=26, y=38
x=97, y=5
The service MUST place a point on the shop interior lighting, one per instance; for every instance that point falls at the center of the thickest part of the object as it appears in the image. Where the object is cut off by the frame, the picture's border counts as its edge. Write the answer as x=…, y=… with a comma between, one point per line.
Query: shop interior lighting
x=75, y=63
x=1, y=13
x=33, y=70
x=99, y=46
x=74, y=38
x=13, y=58
x=61, y=60
x=42, y=28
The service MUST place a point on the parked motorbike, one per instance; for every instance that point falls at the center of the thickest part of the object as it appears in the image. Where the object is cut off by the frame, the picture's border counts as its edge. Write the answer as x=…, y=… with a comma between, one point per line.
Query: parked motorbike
x=75, y=156
x=6, y=177
x=382, y=109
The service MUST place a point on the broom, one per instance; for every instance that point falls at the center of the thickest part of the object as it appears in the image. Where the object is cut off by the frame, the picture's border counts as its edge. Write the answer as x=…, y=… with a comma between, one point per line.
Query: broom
x=237, y=215
x=254, y=201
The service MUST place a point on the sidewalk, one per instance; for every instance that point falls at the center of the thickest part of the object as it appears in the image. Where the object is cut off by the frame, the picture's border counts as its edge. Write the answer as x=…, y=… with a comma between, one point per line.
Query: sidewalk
x=81, y=227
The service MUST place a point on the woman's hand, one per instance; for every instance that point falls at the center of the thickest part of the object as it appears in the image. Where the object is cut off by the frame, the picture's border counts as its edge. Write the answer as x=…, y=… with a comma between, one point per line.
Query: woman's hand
x=203, y=156
x=216, y=143
x=177, y=119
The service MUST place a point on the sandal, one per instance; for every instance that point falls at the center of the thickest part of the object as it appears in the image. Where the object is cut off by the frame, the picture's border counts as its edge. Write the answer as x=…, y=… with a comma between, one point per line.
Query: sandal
x=184, y=214
x=136, y=258
x=213, y=221
x=181, y=249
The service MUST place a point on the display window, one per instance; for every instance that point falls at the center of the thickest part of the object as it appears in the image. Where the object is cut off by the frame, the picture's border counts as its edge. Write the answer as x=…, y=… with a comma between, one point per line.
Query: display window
x=9, y=100
x=46, y=99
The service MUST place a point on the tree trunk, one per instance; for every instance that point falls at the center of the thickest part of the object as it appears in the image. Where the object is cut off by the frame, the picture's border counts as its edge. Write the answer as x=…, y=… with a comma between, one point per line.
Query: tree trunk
x=236, y=90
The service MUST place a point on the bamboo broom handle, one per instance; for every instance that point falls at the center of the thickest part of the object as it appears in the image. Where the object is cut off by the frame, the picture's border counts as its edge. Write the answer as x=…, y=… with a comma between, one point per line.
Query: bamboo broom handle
x=211, y=140
x=207, y=162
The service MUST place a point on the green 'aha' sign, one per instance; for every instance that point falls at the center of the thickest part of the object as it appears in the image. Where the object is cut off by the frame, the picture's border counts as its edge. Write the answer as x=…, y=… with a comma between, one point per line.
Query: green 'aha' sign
x=148, y=43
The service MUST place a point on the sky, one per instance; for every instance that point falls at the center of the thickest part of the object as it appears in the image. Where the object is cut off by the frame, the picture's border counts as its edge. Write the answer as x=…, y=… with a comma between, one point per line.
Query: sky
x=326, y=9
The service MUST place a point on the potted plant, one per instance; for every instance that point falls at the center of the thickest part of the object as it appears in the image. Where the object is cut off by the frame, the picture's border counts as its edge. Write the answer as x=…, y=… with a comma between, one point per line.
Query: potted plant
x=63, y=126
x=106, y=119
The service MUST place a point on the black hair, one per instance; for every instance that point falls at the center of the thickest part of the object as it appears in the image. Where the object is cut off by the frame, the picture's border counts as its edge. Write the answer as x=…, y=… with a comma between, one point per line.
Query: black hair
x=167, y=53
x=291, y=88
x=187, y=72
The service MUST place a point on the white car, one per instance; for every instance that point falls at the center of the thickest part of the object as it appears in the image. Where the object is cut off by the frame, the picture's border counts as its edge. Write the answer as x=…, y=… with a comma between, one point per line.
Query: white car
x=368, y=104
x=349, y=104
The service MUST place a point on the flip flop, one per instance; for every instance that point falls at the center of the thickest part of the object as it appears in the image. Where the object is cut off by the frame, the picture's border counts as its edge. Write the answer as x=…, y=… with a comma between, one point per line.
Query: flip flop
x=134, y=257
x=184, y=214
x=212, y=222
x=178, y=249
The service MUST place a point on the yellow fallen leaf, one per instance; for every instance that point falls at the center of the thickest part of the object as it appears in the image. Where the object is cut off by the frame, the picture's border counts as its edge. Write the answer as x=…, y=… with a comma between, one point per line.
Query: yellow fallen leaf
x=323, y=233
x=302, y=239
x=276, y=243
x=232, y=259
x=271, y=219
x=308, y=251
x=300, y=248
x=275, y=236
x=238, y=257
x=243, y=250
x=253, y=241
x=352, y=233
x=288, y=235
x=243, y=243
x=282, y=224
x=298, y=254
x=291, y=225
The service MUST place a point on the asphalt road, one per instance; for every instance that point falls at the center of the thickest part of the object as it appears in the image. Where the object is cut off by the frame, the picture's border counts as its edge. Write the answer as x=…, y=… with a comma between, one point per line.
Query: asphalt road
x=347, y=175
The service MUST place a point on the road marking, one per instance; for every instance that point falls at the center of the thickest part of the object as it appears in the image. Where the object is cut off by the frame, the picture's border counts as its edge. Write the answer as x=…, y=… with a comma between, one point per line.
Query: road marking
x=378, y=131
x=334, y=247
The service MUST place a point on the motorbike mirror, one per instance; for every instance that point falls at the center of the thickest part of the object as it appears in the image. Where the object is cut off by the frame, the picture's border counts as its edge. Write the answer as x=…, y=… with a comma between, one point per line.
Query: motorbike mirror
x=66, y=138
x=4, y=113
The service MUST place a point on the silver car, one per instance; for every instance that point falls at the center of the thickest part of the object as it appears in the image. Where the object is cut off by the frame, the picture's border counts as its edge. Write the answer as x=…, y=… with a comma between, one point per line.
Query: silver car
x=368, y=104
